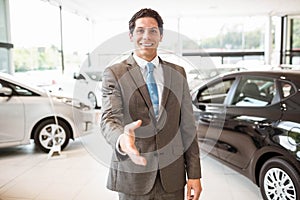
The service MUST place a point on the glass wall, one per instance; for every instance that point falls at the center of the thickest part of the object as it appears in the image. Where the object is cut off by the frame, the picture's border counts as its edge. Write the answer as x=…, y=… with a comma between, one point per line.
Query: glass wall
x=36, y=35
x=42, y=44
x=4, y=39
x=229, y=35
x=295, y=58
x=55, y=38
x=3, y=22
x=290, y=50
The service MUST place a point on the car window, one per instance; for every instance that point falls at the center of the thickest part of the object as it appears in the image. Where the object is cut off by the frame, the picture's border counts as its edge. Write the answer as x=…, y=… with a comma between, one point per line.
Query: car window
x=286, y=88
x=254, y=92
x=22, y=91
x=80, y=77
x=215, y=93
x=18, y=90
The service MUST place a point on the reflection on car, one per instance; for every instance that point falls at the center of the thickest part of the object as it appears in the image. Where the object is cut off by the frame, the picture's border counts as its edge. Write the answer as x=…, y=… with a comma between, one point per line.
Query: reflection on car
x=197, y=76
x=251, y=121
x=87, y=87
x=28, y=113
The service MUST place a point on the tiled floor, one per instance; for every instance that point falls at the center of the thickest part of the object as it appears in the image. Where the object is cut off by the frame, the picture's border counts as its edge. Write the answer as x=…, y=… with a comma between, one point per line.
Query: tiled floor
x=80, y=174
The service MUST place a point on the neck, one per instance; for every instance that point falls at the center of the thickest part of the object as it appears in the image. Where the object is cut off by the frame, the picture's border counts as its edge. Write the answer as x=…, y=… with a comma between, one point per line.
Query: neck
x=145, y=56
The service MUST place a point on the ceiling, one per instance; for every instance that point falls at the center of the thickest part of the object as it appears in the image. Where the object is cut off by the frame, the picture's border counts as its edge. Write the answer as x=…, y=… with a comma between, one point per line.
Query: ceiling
x=118, y=9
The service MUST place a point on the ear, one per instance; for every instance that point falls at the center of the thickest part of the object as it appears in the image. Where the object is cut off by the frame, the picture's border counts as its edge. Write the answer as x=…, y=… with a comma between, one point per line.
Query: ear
x=130, y=37
x=161, y=37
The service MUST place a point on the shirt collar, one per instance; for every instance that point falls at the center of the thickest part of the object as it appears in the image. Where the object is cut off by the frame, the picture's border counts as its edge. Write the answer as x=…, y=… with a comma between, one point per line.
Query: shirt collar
x=142, y=63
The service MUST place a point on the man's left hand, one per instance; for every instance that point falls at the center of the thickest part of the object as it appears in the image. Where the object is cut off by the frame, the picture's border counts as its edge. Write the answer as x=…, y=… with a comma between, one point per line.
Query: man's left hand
x=193, y=185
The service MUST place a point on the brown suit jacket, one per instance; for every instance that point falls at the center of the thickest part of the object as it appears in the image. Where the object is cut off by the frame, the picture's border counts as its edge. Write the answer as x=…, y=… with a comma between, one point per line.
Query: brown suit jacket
x=169, y=142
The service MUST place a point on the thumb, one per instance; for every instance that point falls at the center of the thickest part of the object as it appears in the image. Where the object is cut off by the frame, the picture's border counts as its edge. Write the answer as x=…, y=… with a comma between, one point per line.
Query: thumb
x=129, y=128
x=136, y=124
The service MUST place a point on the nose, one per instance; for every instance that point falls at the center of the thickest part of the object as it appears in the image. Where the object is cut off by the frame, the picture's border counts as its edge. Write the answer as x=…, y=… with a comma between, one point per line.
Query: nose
x=146, y=34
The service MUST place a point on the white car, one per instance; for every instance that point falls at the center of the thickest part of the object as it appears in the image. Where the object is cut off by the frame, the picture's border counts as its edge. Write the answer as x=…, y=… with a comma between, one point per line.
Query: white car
x=88, y=86
x=28, y=113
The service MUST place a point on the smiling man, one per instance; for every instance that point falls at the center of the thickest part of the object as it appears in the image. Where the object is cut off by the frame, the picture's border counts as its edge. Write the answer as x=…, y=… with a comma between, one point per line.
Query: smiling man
x=147, y=118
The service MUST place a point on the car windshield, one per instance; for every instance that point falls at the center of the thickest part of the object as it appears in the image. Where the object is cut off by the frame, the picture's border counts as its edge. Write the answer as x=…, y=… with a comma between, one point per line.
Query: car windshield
x=21, y=85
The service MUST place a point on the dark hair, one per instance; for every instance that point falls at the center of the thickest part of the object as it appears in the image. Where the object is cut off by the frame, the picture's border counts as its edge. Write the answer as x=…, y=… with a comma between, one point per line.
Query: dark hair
x=146, y=12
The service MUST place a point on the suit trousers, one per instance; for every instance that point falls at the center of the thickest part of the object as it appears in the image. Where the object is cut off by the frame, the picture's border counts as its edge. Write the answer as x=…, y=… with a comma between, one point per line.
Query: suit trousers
x=156, y=193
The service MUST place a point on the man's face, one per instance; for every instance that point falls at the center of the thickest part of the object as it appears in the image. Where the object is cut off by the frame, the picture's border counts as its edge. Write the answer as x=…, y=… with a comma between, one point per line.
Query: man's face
x=146, y=37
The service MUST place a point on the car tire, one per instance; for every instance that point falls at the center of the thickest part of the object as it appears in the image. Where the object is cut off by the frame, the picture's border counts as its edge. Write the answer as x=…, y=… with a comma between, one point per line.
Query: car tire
x=279, y=180
x=93, y=99
x=46, y=134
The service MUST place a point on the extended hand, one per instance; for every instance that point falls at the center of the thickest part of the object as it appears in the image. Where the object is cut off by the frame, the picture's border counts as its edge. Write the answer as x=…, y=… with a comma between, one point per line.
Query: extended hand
x=127, y=143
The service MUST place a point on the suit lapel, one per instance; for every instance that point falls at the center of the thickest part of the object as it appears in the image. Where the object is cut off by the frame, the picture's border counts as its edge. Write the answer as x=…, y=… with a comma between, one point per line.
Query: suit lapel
x=136, y=75
x=167, y=83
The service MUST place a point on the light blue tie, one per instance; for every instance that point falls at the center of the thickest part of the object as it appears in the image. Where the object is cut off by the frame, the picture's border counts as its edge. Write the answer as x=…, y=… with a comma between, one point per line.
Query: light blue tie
x=152, y=87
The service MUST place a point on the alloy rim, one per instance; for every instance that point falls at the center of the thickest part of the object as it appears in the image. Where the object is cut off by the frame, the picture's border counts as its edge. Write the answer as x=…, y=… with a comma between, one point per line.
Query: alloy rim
x=52, y=134
x=278, y=185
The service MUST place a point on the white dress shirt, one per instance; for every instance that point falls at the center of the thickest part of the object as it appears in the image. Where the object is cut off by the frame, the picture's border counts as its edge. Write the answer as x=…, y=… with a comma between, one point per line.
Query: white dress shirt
x=157, y=73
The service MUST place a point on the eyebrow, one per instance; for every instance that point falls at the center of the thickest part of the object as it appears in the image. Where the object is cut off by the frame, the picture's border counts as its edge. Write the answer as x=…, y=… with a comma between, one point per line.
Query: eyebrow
x=155, y=27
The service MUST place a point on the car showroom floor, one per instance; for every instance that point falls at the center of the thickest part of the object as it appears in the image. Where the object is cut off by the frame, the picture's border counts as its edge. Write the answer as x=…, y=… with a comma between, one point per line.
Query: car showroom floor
x=26, y=174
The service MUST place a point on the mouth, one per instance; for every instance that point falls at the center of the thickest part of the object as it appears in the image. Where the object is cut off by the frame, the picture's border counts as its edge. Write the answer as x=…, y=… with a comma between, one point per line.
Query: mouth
x=146, y=44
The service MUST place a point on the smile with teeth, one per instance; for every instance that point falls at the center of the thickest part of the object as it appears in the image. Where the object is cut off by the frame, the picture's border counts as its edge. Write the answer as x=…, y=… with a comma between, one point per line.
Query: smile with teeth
x=146, y=44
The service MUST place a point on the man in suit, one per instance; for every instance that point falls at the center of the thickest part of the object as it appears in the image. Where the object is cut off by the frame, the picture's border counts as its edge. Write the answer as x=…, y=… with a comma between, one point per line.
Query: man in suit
x=151, y=129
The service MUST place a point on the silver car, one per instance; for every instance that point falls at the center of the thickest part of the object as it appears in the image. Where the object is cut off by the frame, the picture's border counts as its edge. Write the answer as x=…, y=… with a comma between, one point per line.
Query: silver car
x=88, y=86
x=28, y=113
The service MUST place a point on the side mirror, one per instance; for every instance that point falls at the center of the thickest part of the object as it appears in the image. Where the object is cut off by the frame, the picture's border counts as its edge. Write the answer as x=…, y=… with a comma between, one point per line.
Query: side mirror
x=75, y=75
x=5, y=91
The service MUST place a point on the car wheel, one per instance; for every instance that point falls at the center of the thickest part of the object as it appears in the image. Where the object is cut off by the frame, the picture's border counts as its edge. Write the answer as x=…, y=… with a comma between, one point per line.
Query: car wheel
x=49, y=133
x=279, y=180
x=93, y=99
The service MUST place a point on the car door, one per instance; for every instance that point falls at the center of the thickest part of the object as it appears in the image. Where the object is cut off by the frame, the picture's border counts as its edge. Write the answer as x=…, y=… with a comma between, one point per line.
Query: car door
x=11, y=116
x=251, y=114
x=210, y=112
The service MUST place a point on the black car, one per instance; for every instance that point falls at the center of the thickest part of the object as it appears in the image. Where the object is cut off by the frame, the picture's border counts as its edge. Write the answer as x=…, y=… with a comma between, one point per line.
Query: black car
x=251, y=121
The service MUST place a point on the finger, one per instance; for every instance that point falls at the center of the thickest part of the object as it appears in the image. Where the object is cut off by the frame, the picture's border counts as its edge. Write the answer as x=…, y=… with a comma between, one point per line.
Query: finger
x=137, y=159
x=134, y=155
x=196, y=196
x=189, y=193
x=132, y=150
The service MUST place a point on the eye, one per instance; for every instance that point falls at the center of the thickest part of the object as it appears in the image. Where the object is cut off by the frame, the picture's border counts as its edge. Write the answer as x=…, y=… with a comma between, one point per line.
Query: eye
x=154, y=31
x=140, y=31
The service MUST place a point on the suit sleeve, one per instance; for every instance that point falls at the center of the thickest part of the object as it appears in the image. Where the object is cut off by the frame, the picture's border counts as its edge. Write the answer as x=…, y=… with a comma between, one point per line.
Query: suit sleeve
x=112, y=125
x=189, y=135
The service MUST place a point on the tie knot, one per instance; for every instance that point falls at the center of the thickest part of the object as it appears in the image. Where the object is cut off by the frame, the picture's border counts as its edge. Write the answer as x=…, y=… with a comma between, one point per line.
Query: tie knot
x=150, y=67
